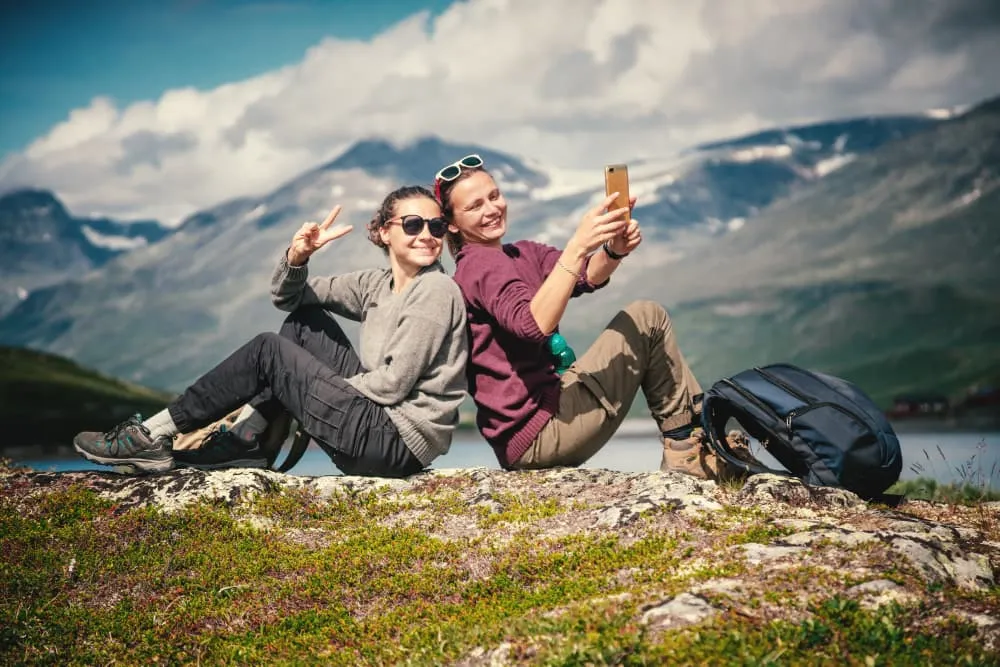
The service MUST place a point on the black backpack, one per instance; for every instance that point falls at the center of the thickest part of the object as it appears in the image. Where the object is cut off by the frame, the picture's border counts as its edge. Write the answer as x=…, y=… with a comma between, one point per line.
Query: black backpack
x=823, y=429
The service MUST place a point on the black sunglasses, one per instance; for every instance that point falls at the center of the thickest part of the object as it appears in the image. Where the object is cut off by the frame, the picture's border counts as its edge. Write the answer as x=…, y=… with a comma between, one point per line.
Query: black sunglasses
x=414, y=224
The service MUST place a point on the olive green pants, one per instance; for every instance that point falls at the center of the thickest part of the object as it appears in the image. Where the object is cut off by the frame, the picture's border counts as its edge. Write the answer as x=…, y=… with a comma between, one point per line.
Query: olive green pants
x=638, y=349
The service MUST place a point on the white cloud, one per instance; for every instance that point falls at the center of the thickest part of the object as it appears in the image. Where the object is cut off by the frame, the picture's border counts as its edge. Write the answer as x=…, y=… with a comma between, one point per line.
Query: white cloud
x=570, y=83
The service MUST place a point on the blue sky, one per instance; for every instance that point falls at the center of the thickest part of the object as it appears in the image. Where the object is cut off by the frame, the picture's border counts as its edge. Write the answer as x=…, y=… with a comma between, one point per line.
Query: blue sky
x=57, y=55
x=143, y=109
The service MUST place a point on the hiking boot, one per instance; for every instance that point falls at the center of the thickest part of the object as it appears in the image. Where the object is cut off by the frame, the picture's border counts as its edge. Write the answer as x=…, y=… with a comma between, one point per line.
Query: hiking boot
x=689, y=456
x=222, y=449
x=694, y=456
x=127, y=446
x=739, y=445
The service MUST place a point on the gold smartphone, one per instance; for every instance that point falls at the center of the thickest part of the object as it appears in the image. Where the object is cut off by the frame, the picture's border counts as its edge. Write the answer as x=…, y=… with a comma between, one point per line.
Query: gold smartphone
x=616, y=180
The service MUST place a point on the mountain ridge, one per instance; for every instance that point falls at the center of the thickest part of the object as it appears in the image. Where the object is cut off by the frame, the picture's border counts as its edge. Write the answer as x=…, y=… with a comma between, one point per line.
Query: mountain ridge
x=718, y=224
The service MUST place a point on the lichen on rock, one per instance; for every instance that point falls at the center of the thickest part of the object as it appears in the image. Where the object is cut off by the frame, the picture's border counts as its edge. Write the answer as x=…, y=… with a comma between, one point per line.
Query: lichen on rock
x=654, y=552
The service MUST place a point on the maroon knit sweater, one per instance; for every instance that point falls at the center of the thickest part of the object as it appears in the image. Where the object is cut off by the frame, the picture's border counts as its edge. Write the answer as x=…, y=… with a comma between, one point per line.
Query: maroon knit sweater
x=511, y=374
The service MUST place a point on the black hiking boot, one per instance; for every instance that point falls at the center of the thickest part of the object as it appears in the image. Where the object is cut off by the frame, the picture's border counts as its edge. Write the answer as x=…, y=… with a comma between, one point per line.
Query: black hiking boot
x=222, y=449
x=127, y=446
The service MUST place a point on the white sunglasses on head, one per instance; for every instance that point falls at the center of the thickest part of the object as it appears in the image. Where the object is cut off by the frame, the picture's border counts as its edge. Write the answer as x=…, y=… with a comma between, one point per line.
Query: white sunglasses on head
x=454, y=170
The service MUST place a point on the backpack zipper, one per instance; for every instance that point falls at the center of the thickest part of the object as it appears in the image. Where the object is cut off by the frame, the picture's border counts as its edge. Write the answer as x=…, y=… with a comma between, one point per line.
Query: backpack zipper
x=846, y=397
x=795, y=412
x=809, y=403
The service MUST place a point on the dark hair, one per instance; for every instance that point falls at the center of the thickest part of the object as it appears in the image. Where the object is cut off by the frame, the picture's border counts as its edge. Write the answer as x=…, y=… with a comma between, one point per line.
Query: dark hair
x=447, y=209
x=387, y=209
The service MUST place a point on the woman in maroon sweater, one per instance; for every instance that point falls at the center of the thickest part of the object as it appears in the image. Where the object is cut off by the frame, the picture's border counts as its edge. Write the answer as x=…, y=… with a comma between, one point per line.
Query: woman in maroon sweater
x=515, y=295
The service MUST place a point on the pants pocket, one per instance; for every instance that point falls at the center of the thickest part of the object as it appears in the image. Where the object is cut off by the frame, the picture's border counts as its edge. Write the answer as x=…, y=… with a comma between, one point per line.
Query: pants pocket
x=595, y=388
x=331, y=409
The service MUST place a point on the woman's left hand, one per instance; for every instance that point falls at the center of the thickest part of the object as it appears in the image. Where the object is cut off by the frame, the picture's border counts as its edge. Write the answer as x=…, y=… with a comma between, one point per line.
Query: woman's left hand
x=631, y=236
x=628, y=240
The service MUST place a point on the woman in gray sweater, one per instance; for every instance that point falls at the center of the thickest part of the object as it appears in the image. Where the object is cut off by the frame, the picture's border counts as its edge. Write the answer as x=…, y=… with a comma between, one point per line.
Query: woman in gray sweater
x=387, y=412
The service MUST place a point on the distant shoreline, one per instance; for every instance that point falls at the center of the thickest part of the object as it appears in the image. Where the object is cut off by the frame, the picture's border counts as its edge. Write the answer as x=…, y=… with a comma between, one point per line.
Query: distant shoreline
x=634, y=427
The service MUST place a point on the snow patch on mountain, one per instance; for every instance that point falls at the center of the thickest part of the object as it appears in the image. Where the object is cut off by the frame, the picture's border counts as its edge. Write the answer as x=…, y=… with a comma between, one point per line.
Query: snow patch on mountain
x=565, y=183
x=255, y=213
x=110, y=241
x=831, y=164
x=754, y=153
x=946, y=113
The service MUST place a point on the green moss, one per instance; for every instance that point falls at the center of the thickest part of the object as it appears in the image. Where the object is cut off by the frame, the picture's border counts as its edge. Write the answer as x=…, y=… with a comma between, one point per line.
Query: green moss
x=85, y=582
x=760, y=533
x=837, y=632
x=518, y=509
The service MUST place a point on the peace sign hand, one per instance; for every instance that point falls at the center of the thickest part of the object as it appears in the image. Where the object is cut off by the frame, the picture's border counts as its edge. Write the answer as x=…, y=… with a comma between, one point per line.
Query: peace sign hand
x=311, y=237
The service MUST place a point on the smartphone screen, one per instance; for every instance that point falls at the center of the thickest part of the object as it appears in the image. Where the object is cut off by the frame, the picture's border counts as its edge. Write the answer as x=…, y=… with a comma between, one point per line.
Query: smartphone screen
x=616, y=180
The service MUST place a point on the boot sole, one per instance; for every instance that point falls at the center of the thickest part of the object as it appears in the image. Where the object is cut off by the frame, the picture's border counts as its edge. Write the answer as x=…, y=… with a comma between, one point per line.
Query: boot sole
x=141, y=465
x=237, y=463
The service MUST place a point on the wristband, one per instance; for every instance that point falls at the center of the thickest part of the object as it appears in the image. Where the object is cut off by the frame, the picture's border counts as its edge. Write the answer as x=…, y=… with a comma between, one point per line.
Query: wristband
x=611, y=253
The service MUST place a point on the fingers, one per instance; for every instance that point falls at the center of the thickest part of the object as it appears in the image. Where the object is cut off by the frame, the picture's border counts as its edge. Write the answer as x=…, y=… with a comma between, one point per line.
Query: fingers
x=603, y=206
x=330, y=218
x=335, y=233
x=631, y=202
x=633, y=236
x=617, y=214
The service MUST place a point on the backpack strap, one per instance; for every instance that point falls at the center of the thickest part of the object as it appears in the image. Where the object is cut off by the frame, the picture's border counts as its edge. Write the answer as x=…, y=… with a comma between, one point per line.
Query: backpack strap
x=295, y=452
x=713, y=421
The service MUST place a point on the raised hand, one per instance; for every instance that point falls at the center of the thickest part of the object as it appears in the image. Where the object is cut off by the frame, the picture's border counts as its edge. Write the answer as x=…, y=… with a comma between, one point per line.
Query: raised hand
x=311, y=237
x=628, y=240
x=599, y=225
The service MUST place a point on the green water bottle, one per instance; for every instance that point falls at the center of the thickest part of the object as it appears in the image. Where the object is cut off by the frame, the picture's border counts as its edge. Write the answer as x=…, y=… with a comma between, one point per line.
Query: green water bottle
x=563, y=353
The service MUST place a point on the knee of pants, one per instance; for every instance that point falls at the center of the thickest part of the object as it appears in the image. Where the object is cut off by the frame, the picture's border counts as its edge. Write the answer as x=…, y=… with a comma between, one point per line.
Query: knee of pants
x=263, y=341
x=649, y=315
x=295, y=319
x=315, y=317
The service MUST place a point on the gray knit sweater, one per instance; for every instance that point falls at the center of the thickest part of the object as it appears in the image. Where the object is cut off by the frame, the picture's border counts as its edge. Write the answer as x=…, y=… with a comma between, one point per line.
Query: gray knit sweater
x=414, y=344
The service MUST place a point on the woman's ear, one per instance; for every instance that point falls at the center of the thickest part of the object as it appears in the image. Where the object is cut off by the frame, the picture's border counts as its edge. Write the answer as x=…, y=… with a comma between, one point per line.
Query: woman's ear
x=453, y=229
x=383, y=233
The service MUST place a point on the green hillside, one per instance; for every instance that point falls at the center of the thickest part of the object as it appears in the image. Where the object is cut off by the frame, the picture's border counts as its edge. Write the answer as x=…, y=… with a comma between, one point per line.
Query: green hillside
x=45, y=400
x=888, y=338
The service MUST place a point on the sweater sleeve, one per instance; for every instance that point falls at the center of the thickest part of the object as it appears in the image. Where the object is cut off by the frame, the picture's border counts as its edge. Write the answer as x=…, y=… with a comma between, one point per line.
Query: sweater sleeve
x=424, y=324
x=344, y=294
x=501, y=291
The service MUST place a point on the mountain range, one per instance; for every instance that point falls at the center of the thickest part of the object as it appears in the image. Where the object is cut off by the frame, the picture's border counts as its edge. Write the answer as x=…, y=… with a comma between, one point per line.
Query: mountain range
x=864, y=247
x=41, y=244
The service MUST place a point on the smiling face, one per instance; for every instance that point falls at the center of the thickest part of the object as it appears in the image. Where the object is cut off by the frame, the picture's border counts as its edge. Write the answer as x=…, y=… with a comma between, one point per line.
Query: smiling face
x=479, y=211
x=412, y=253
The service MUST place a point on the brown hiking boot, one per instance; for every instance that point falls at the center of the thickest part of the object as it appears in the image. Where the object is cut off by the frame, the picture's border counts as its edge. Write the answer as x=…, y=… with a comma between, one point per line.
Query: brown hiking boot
x=694, y=456
x=689, y=456
x=739, y=445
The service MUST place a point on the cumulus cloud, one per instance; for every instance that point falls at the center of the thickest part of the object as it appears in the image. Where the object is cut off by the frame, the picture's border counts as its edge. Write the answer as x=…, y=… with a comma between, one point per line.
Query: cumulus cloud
x=573, y=83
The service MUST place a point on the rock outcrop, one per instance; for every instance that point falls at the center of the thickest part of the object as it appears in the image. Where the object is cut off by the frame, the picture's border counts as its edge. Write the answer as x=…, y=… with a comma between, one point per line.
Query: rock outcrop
x=767, y=550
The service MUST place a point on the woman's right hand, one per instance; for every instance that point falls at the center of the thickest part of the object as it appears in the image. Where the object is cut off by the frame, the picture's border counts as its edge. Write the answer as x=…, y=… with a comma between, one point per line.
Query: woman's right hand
x=599, y=225
x=311, y=237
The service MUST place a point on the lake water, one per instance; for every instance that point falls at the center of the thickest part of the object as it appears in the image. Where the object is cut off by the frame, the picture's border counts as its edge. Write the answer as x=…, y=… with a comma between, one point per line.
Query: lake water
x=636, y=449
